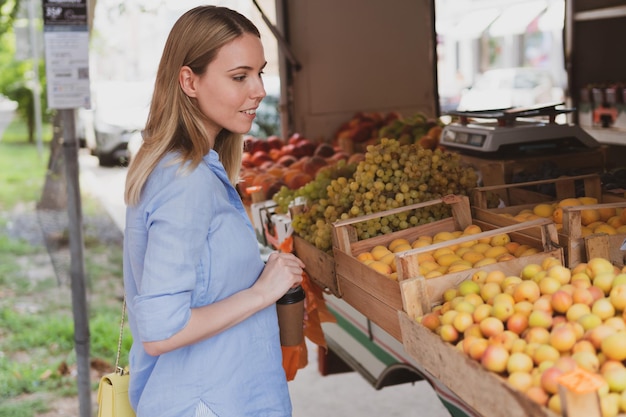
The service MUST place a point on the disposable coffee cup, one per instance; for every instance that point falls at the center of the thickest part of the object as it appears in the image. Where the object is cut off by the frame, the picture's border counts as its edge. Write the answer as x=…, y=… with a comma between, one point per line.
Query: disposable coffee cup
x=290, y=310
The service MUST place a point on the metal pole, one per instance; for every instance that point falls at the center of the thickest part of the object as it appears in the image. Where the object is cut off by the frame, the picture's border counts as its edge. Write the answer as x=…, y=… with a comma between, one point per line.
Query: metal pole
x=77, y=264
x=36, y=85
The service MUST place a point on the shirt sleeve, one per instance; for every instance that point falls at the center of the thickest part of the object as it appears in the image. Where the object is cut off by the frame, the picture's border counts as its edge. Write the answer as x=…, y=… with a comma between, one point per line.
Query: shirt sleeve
x=177, y=216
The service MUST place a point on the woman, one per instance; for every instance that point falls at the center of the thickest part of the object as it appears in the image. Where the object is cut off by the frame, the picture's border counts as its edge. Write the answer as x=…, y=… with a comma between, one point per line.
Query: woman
x=201, y=302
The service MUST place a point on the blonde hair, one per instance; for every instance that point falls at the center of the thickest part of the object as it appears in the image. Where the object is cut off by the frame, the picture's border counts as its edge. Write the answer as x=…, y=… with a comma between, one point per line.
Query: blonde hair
x=175, y=122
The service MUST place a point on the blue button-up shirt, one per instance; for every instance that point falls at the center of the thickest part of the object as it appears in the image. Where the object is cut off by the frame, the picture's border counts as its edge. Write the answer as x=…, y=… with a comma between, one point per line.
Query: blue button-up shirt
x=189, y=243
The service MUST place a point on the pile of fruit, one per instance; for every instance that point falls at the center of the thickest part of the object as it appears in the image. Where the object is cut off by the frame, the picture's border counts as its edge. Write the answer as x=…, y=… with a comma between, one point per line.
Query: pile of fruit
x=273, y=163
x=391, y=175
x=366, y=129
x=609, y=220
x=535, y=326
x=455, y=258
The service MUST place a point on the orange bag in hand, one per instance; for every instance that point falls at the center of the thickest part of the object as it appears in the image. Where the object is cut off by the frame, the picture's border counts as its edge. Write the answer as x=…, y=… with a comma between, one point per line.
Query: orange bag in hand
x=315, y=312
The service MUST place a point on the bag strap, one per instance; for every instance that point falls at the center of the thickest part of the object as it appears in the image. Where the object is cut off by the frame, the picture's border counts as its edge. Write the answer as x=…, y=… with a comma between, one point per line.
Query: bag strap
x=119, y=342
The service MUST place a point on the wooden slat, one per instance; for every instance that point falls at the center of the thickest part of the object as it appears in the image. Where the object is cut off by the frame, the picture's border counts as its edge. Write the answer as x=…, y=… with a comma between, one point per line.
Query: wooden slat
x=382, y=314
x=320, y=266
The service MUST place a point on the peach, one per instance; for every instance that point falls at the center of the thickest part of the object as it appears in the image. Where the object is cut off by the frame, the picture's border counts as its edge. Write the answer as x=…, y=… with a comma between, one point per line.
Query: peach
x=589, y=321
x=554, y=404
x=502, y=310
x=615, y=376
x=545, y=353
x=521, y=381
x=462, y=321
x=550, y=379
x=587, y=360
x=596, y=292
x=543, y=303
x=616, y=322
x=604, y=281
x=491, y=326
x=540, y=318
x=490, y=290
x=596, y=266
x=565, y=363
x=613, y=346
x=563, y=337
x=617, y=296
x=529, y=270
x=561, y=273
x=519, y=362
x=561, y=301
x=583, y=346
x=609, y=404
x=577, y=310
x=481, y=312
x=537, y=335
x=477, y=348
x=582, y=296
x=448, y=333
x=603, y=308
x=495, y=358
x=598, y=334
x=517, y=322
x=431, y=321
x=526, y=291
x=549, y=285
x=479, y=276
x=538, y=395
x=524, y=307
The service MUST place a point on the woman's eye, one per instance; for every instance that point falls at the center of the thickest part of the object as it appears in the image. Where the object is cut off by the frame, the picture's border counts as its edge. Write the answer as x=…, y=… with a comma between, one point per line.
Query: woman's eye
x=239, y=78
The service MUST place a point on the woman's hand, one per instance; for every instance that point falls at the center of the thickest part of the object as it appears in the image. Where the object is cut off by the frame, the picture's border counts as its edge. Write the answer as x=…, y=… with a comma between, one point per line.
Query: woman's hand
x=282, y=272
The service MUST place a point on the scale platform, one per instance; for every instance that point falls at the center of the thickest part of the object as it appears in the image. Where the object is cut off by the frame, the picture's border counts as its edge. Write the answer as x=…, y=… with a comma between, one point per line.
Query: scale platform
x=514, y=131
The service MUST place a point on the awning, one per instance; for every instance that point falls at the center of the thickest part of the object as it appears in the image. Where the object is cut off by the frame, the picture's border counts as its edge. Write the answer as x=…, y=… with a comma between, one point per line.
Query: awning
x=554, y=17
x=515, y=19
x=474, y=24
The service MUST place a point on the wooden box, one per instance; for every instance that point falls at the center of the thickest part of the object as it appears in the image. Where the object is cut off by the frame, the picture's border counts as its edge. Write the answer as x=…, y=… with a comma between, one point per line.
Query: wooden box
x=502, y=171
x=320, y=266
x=485, y=392
x=377, y=296
x=517, y=197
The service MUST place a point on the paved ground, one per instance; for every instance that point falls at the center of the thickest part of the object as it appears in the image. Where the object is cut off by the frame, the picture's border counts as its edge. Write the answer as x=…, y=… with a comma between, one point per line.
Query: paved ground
x=312, y=395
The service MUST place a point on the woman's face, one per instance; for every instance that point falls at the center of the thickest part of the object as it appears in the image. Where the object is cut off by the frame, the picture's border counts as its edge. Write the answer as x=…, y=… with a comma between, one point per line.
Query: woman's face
x=230, y=90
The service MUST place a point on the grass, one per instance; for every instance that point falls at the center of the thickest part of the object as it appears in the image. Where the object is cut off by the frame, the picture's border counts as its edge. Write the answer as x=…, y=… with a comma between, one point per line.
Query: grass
x=36, y=319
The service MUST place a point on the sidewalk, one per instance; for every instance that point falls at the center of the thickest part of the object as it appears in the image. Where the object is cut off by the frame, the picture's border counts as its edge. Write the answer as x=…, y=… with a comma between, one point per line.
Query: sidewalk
x=313, y=395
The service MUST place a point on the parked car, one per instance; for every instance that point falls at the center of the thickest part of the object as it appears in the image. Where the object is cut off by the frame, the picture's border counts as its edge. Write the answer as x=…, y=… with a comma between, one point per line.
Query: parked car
x=511, y=87
x=120, y=111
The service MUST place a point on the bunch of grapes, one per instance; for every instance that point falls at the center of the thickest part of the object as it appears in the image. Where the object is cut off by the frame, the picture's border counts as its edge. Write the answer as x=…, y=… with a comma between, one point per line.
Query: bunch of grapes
x=392, y=175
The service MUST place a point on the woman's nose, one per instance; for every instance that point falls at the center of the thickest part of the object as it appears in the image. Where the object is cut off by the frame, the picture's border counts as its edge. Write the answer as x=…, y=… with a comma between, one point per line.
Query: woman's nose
x=258, y=91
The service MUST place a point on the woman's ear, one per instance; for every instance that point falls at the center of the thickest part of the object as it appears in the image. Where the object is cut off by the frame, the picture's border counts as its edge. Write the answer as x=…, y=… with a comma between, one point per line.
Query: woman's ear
x=186, y=79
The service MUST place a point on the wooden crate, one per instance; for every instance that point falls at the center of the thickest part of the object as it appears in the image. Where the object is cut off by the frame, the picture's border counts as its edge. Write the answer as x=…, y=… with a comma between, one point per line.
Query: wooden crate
x=320, y=266
x=377, y=296
x=570, y=236
x=485, y=392
x=501, y=171
x=518, y=194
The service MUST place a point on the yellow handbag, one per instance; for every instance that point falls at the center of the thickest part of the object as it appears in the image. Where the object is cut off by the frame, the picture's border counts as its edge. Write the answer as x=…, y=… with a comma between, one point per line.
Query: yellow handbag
x=113, y=388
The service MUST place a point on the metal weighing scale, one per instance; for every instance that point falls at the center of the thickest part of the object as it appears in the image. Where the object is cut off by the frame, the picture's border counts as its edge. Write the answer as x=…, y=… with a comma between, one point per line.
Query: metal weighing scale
x=515, y=131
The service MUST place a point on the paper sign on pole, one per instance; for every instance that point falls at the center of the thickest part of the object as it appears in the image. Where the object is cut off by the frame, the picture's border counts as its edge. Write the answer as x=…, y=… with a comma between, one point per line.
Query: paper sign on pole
x=66, y=43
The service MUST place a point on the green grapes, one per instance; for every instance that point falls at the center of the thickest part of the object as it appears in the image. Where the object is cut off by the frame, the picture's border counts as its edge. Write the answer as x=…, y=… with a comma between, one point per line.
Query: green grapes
x=392, y=175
